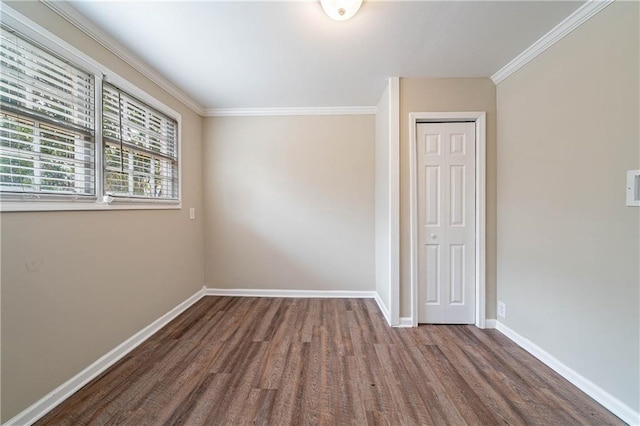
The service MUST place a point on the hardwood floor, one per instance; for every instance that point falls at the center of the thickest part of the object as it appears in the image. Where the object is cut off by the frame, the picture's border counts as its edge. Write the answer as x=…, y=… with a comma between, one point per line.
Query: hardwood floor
x=230, y=360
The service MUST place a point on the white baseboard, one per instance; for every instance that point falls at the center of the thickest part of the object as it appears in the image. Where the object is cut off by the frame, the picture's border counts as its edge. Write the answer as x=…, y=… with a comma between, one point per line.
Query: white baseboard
x=37, y=410
x=327, y=294
x=47, y=403
x=405, y=322
x=490, y=323
x=383, y=308
x=608, y=401
x=408, y=322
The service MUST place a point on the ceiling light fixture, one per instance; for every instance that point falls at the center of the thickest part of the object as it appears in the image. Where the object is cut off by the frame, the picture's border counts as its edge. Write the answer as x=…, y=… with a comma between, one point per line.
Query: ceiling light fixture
x=340, y=10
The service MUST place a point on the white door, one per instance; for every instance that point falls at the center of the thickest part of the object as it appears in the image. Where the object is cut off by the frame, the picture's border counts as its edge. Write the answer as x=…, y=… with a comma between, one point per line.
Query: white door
x=446, y=222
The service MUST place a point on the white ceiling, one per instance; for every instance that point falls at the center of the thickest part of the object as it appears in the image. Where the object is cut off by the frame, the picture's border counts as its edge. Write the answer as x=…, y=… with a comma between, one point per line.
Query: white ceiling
x=264, y=54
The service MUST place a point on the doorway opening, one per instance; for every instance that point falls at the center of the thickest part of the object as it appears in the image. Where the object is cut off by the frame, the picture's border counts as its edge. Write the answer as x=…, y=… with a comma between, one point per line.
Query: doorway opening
x=475, y=232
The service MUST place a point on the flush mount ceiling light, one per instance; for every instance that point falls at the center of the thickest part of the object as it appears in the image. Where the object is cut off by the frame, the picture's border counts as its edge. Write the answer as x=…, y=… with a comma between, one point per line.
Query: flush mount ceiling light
x=340, y=10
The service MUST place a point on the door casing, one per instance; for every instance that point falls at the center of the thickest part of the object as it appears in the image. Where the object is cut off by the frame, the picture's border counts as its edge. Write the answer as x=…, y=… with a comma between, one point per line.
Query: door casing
x=479, y=118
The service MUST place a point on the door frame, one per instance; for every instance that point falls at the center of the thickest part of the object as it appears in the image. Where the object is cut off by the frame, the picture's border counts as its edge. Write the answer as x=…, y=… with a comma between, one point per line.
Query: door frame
x=480, y=120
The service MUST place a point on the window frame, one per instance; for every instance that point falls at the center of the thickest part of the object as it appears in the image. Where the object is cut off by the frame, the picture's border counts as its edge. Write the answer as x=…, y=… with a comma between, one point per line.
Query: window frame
x=130, y=104
x=35, y=74
x=44, y=202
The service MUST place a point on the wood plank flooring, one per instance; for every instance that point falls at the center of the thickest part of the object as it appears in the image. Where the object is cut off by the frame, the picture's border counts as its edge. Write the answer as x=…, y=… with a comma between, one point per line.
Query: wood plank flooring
x=234, y=361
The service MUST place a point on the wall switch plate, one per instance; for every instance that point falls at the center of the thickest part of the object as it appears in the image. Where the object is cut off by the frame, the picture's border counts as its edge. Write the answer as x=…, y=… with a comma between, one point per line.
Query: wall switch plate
x=192, y=213
x=502, y=309
x=633, y=188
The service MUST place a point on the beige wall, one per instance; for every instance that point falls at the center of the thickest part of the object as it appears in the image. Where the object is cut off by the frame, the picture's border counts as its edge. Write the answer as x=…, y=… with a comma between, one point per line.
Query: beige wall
x=382, y=225
x=446, y=95
x=568, y=248
x=104, y=275
x=289, y=202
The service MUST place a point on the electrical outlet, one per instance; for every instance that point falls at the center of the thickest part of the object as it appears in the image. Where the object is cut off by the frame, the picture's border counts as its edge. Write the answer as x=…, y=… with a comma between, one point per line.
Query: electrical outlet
x=502, y=309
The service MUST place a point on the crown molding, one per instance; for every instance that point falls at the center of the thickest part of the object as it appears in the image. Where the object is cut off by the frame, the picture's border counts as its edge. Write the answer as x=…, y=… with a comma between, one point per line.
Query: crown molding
x=76, y=19
x=573, y=21
x=263, y=112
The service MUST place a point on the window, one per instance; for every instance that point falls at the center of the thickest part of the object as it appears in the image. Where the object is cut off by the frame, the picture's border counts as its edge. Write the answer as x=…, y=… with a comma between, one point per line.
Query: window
x=140, y=148
x=68, y=135
x=47, y=123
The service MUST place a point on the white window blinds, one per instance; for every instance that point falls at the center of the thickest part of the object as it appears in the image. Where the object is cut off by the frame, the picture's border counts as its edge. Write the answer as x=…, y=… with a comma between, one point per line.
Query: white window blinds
x=140, y=148
x=47, y=143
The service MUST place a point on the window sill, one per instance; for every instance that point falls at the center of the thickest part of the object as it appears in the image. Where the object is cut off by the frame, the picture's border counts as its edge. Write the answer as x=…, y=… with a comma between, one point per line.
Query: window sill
x=54, y=206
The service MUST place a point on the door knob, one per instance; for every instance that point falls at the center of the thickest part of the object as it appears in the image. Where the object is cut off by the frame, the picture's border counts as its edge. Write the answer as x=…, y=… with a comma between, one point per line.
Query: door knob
x=433, y=236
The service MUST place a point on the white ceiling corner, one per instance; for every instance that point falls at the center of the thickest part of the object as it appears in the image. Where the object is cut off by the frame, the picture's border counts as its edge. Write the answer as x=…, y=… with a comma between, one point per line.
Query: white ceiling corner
x=573, y=21
x=66, y=11
x=288, y=57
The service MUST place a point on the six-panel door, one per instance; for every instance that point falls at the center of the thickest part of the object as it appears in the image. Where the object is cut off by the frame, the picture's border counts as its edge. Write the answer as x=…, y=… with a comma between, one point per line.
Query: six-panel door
x=446, y=222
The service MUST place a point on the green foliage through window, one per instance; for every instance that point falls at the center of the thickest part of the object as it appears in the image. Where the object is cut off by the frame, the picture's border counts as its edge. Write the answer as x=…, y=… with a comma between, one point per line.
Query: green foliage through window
x=47, y=122
x=140, y=148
